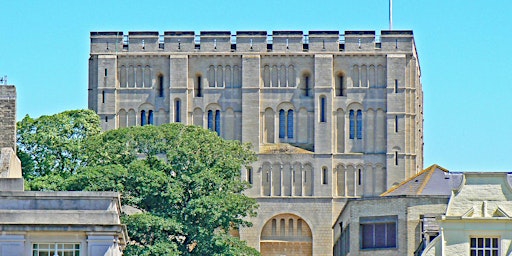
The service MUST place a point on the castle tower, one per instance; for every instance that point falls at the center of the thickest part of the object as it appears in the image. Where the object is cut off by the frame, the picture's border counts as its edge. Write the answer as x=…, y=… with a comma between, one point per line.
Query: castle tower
x=331, y=116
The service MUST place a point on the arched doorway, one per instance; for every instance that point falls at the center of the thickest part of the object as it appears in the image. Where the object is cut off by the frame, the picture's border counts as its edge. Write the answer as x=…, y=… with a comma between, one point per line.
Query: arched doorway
x=286, y=234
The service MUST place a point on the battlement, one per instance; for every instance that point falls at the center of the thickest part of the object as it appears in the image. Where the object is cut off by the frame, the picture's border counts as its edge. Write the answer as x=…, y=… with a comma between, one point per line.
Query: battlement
x=252, y=41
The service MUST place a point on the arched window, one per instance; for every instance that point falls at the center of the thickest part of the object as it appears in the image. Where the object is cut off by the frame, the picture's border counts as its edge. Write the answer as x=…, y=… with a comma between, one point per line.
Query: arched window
x=286, y=124
x=177, y=111
x=290, y=124
x=306, y=86
x=150, y=117
x=210, y=120
x=199, y=87
x=160, y=86
x=359, y=124
x=323, y=110
x=217, y=122
x=340, y=86
x=142, y=117
x=214, y=121
x=282, y=124
x=352, y=124
x=356, y=124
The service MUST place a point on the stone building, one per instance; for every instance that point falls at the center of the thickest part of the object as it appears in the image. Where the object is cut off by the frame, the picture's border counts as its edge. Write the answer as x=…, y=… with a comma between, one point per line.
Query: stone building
x=51, y=223
x=331, y=116
x=402, y=221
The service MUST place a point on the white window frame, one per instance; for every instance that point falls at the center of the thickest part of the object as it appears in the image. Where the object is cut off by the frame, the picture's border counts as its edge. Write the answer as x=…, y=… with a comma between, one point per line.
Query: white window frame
x=56, y=248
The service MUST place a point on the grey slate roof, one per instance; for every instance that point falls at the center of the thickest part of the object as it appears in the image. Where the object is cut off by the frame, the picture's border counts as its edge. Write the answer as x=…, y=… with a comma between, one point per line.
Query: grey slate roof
x=435, y=180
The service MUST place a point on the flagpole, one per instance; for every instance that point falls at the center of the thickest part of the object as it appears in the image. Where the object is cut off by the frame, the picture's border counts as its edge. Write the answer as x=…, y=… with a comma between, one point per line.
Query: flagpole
x=390, y=14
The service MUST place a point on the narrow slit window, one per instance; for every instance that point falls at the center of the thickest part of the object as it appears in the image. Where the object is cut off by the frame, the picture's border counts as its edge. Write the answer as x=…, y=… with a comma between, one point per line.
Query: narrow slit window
x=199, y=87
x=396, y=86
x=106, y=72
x=339, y=89
x=396, y=157
x=249, y=175
x=177, y=111
x=324, y=175
x=306, y=86
x=106, y=119
x=160, y=86
x=322, y=110
x=359, y=177
x=102, y=96
x=396, y=123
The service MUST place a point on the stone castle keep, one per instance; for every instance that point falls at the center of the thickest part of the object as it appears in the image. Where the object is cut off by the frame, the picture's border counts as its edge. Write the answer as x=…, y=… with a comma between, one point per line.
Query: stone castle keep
x=331, y=116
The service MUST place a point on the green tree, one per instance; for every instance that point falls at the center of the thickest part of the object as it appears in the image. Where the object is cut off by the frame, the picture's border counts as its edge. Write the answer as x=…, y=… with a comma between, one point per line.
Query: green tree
x=54, y=144
x=184, y=179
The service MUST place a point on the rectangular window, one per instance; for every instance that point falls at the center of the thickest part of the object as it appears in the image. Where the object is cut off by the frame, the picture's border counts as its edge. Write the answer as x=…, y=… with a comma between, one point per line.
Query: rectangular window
x=484, y=246
x=378, y=232
x=396, y=86
x=105, y=72
x=68, y=249
x=396, y=157
x=324, y=175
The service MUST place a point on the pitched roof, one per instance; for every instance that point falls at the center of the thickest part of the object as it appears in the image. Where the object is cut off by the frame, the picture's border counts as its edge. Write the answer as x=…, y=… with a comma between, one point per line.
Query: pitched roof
x=435, y=180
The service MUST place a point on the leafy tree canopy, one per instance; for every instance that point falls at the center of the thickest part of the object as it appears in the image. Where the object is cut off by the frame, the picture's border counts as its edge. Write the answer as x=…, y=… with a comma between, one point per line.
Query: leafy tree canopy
x=184, y=179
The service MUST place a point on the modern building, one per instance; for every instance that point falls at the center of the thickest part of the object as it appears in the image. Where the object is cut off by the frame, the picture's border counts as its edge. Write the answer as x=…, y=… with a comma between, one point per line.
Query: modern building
x=51, y=223
x=331, y=116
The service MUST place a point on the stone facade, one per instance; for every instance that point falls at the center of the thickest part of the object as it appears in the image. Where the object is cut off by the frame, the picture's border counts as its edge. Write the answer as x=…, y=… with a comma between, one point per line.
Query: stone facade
x=330, y=116
x=406, y=213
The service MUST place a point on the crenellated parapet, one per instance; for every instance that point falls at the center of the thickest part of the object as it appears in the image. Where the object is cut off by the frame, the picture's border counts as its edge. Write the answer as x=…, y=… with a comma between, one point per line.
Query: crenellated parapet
x=252, y=41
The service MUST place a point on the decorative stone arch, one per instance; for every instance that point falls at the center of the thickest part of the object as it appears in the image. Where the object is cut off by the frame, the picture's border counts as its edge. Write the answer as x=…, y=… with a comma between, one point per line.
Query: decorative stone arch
x=268, y=125
x=198, y=117
x=341, y=180
x=146, y=114
x=286, y=234
x=213, y=117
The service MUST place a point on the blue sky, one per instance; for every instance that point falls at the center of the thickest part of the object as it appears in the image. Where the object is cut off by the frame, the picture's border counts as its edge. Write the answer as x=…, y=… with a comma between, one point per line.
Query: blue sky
x=462, y=47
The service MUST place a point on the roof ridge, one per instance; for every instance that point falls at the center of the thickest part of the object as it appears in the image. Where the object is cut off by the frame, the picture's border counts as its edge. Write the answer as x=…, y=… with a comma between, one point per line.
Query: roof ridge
x=405, y=181
x=427, y=178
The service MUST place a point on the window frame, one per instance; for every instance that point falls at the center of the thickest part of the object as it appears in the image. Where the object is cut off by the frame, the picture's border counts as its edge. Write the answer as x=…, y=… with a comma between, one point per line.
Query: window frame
x=483, y=248
x=57, y=248
x=378, y=220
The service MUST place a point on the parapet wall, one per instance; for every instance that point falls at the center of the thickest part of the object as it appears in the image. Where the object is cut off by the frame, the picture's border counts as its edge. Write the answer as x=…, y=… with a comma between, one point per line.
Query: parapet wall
x=252, y=41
